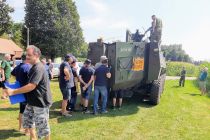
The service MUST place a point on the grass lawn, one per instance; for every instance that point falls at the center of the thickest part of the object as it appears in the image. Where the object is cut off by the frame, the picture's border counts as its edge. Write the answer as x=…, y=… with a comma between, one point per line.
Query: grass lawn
x=182, y=114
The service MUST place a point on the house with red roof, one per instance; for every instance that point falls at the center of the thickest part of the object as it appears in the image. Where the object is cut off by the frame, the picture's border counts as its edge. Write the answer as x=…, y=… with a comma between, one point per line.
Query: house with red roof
x=9, y=47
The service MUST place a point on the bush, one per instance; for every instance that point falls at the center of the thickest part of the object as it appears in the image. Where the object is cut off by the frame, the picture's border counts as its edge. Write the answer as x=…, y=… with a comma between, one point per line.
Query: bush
x=174, y=69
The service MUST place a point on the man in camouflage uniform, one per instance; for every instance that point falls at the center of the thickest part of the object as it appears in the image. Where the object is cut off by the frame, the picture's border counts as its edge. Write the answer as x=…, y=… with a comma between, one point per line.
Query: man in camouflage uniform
x=155, y=29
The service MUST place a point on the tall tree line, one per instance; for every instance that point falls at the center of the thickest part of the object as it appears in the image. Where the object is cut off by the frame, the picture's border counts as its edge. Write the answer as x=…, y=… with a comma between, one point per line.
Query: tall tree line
x=175, y=52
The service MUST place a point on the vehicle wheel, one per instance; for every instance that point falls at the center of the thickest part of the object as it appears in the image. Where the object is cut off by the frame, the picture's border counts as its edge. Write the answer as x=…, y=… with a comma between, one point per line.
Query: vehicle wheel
x=155, y=92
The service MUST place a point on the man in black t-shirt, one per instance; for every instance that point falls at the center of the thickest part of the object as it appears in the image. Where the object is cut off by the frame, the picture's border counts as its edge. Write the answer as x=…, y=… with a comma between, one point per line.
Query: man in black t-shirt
x=86, y=77
x=36, y=114
x=21, y=74
x=66, y=82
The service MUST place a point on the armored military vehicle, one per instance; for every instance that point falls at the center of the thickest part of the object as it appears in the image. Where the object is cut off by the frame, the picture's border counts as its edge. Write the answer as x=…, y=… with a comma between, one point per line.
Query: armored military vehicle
x=136, y=66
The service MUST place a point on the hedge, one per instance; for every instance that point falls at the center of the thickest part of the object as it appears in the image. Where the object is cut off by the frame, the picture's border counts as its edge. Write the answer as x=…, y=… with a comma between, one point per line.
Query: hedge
x=175, y=68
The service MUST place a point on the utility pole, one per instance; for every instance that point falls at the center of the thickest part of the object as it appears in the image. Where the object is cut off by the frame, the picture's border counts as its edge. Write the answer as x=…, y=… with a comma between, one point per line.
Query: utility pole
x=27, y=35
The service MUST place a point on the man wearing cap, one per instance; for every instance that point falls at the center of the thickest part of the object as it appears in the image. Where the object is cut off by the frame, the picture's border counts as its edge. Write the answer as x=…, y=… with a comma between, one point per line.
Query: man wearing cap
x=97, y=65
x=66, y=82
x=86, y=74
x=21, y=74
x=102, y=74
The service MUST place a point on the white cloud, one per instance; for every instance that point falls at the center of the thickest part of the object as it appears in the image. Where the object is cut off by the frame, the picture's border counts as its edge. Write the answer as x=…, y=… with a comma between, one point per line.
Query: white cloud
x=119, y=25
x=102, y=21
x=98, y=6
x=91, y=22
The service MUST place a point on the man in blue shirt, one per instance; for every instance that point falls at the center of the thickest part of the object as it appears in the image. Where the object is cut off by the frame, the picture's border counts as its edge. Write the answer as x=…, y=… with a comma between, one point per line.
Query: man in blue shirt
x=66, y=82
x=21, y=74
x=102, y=74
x=202, y=80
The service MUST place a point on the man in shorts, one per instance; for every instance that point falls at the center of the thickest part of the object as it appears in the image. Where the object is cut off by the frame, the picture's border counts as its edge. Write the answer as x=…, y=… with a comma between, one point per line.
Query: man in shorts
x=39, y=99
x=86, y=77
x=21, y=74
x=118, y=94
x=66, y=82
x=202, y=80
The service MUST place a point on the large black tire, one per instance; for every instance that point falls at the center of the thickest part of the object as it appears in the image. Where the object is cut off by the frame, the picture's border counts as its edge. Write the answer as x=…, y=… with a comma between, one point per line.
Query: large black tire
x=157, y=88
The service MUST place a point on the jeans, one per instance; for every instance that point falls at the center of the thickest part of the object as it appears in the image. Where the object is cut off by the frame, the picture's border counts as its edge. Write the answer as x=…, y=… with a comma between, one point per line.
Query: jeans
x=73, y=101
x=103, y=91
x=86, y=94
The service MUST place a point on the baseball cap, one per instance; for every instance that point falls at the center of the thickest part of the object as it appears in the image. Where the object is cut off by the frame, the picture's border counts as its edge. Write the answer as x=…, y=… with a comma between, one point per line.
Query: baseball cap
x=87, y=61
x=68, y=56
x=102, y=58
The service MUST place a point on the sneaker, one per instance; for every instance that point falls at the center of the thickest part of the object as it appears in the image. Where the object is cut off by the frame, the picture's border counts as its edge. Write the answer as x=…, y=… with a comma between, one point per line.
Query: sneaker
x=120, y=108
x=104, y=112
x=66, y=115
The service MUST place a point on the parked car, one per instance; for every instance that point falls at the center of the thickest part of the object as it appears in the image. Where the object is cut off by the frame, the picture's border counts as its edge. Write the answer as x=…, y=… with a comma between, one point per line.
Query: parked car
x=56, y=70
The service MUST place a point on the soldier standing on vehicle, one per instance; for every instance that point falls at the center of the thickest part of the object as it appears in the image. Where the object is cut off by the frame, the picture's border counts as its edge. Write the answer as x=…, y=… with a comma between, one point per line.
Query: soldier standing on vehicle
x=182, y=78
x=155, y=29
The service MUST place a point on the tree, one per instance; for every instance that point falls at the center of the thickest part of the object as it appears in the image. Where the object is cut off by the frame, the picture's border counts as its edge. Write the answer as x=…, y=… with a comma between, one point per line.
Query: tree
x=16, y=31
x=54, y=26
x=175, y=53
x=5, y=19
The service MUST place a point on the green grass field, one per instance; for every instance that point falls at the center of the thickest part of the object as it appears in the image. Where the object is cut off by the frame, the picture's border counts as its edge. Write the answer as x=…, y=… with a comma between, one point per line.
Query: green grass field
x=182, y=115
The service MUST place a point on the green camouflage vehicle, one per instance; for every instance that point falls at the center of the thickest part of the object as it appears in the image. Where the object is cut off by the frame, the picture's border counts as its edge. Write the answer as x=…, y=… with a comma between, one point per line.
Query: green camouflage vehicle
x=136, y=66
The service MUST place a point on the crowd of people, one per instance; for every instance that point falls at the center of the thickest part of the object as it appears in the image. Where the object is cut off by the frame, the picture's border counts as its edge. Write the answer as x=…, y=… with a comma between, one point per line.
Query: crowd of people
x=34, y=75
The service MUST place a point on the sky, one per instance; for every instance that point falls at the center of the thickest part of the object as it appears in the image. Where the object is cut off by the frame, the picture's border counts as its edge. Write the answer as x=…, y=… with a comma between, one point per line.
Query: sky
x=185, y=22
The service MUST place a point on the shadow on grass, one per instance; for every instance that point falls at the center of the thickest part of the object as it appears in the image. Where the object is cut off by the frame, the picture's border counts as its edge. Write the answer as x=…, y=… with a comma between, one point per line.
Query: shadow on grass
x=193, y=94
x=5, y=134
x=176, y=86
x=130, y=106
x=9, y=109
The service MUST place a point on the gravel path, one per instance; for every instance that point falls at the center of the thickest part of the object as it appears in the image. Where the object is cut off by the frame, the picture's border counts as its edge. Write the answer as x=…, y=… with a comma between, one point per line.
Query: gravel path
x=177, y=77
